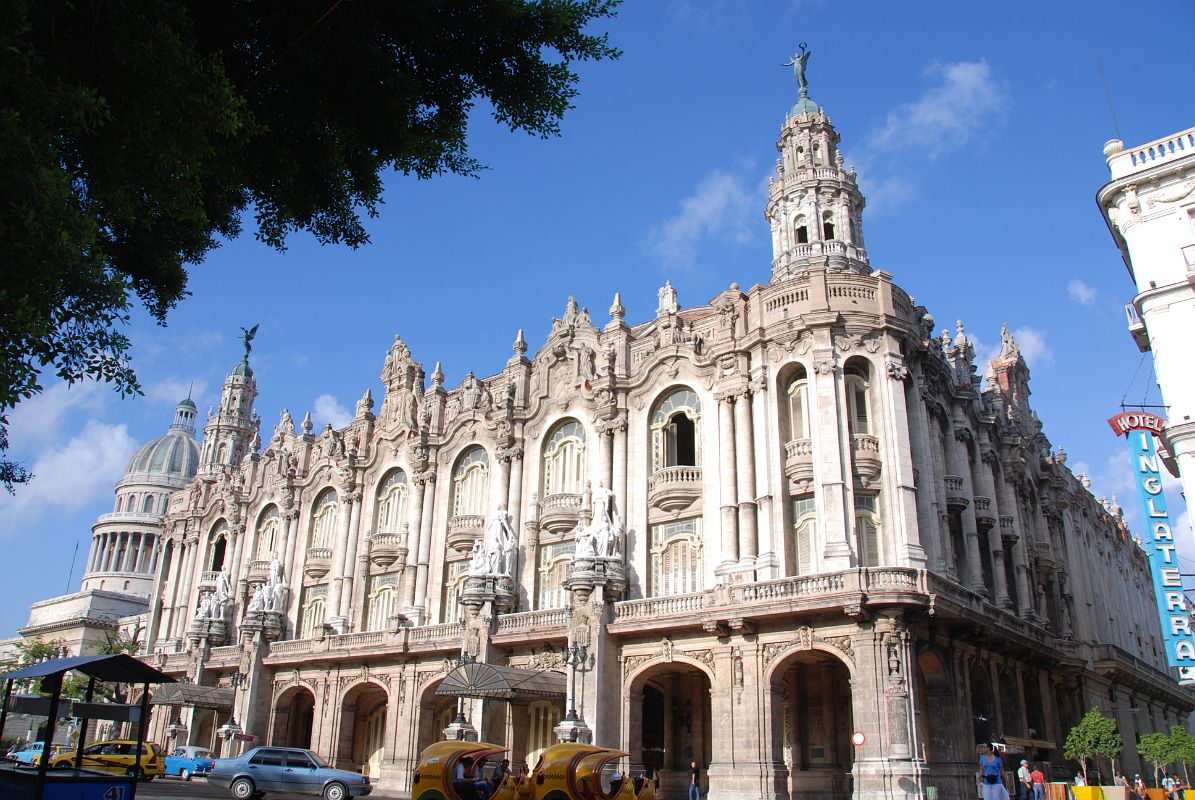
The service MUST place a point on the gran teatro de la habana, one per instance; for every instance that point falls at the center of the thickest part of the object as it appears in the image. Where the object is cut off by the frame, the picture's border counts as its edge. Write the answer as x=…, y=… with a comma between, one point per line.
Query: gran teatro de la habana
x=795, y=534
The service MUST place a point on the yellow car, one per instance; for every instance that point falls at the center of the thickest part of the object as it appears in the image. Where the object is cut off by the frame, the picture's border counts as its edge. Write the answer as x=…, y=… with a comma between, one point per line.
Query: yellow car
x=564, y=772
x=120, y=757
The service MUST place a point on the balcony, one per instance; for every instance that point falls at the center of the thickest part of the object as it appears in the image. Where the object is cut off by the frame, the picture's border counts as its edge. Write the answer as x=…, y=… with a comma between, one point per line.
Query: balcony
x=1137, y=327
x=798, y=464
x=386, y=548
x=674, y=488
x=207, y=580
x=259, y=568
x=558, y=512
x=956, y=499
x=1008, y=534
x=866, y=451
x=319, y=561
x=463, y=530
x=985, y=513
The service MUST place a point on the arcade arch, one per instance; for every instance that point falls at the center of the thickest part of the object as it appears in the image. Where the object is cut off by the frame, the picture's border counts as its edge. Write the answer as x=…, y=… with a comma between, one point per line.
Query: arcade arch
x=362, y=736
x=294, y=718
x=811, y=722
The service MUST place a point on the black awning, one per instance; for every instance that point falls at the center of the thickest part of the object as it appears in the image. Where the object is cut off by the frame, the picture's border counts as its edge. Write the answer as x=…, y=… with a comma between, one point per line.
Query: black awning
x=119, y=668
x=189, y=694
x=507, y=683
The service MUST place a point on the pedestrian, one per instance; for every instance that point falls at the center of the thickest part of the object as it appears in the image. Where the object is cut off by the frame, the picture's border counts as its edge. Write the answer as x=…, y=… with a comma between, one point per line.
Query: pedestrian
x=694, y=781
x=1138, y=787
x=991, y=775
x=1080, y=780
x=1176, y=791
x=1039, y=783
x=1118, y=779
x=1024, y=781
x=500, y=773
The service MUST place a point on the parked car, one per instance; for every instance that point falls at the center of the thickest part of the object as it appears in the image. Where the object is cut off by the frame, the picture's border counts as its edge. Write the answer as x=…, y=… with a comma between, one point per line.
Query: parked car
x=119, y=756
x=286, y=769
x=189, y=760
x=30, y=752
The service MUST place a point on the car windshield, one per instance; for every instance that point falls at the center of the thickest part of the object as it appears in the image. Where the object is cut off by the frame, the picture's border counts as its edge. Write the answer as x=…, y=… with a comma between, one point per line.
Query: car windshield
x=319, y=762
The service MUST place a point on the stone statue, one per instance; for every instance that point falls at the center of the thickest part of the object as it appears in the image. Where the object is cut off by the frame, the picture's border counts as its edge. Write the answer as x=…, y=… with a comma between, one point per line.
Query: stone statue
x=479, y=565
x=798, y=62
x=668, y=301
x=502, y=542
x=205, y=608
x=222, y=596
x=258, y=602
x=277, y=597
x=585, y=542
x=275, y=571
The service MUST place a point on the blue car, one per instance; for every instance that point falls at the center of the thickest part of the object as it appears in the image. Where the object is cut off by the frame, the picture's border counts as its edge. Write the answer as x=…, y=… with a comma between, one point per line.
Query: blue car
x=286, y=769
x=189, y=760
x=30, y=753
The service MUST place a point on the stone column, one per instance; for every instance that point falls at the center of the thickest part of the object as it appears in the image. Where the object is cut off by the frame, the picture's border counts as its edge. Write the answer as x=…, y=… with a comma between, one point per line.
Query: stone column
x=340, y=546
x=294, y=555
x=618, y=483
x=831, y=442
x=130, y=553
x=962, y=468
x=744, y=445
x=350, y=560
x=606, y=437
x=425, y=548
x=726, y=472
x=238, y=552
x=771, y=547
x=184, y=601
x=91, y=555
x=514, y=495
x=416, y=513
x=899, y=461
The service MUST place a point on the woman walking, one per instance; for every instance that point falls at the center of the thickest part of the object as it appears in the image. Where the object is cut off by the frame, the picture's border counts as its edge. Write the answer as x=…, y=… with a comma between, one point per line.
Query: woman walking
x=991, y=775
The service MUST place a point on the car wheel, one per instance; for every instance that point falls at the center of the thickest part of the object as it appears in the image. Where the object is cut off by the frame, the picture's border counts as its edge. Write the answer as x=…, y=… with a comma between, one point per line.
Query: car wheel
x=242, y=789
x=335, y=791
x=185, y=774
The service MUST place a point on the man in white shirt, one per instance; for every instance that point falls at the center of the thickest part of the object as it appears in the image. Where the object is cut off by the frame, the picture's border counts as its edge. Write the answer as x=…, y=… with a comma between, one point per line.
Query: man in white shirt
x=1024, y=781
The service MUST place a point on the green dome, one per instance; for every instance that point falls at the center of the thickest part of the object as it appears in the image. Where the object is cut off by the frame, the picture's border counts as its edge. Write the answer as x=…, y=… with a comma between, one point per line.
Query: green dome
x=175, y=455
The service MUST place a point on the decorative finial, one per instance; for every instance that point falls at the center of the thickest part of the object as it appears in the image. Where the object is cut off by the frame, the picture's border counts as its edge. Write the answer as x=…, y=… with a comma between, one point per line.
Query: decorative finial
x=617, y=312
x=437, y=376
x=961, y=338
x=308, y=424
x=946, y=343
x=520, y=345
x=365, y=404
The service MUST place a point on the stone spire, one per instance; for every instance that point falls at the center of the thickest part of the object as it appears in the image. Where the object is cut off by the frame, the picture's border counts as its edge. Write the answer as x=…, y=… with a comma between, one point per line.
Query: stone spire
x=814, y=205
x=229, y=431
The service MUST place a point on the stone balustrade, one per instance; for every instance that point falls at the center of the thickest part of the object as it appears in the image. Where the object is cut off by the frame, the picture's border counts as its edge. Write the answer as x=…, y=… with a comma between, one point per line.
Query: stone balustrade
x=865, y=449
x=955, y=498
x=386, y=548
x=292, y=647
x=259, y=568
x=673, y=488
x=318, y=562
x=463, y=530
x=207, y=580
x=798, y=464
x=434, y=634
x=657, y=607
x=985, y=512
x=352, y=641
x=1127, y=161
x=559, y=512
x=548, y=620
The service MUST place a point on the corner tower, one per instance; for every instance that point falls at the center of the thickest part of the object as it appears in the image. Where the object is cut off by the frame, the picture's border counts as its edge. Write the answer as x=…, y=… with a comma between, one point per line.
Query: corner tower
x=814, y=206
x=229, y=432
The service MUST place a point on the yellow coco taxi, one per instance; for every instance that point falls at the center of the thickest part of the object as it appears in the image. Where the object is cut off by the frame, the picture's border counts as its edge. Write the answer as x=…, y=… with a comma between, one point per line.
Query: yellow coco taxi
x=564, y=772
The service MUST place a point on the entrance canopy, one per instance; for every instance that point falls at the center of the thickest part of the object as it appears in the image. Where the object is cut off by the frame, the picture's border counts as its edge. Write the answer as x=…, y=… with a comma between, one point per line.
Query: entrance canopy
x=118, y=668
x=189, y=694
x=506, y=683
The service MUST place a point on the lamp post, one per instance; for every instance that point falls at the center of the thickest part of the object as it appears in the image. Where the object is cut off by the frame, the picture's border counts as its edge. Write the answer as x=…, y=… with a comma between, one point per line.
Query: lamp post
x=572, y=728
x=229, y=730
x=460, y=729
x=176, y=729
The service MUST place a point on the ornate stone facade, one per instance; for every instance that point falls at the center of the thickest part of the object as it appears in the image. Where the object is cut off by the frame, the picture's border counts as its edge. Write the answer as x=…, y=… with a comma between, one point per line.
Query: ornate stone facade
x=742, y=530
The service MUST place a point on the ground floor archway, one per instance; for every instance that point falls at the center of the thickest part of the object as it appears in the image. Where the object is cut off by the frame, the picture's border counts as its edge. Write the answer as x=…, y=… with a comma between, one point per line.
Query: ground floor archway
x=294, y=718
x=812, y=721
x=362, y=736
x=669, y=725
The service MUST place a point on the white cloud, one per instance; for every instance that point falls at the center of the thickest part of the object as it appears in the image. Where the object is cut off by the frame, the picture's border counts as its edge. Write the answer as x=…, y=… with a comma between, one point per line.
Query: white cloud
x=721, y=207
x=1080, y=292
x=328, y=410
x=966, y=102
x=41, y=418
x=1033, y=345
x=169, y=391
x=70, y=477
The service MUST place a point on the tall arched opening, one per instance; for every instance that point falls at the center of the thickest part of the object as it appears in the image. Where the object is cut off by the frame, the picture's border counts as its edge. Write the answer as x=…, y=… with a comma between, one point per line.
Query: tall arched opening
x=669, y=725
x=360, y=744
x=436, y=712
x=812, y=721
x=294, y=718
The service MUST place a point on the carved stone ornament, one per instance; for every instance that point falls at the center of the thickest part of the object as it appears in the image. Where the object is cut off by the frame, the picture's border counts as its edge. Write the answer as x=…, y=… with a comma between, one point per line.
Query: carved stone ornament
x=825, y=366
x=897, y=370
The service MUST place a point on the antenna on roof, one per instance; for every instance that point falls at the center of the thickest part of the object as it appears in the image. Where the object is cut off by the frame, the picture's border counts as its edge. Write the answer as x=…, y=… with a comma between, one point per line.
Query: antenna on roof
x=1108, y=94
x=189, y=389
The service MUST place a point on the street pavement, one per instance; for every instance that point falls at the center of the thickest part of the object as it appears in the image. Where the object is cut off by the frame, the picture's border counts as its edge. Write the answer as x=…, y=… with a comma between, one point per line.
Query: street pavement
x=175, y=789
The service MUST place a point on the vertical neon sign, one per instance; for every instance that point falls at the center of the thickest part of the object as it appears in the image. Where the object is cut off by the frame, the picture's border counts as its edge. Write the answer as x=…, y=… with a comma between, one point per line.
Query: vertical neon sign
x=1139, y=429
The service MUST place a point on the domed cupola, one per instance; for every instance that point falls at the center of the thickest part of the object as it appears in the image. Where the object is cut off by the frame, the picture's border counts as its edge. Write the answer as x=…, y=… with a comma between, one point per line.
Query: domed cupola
x=814, y=205
x=229, y=431
x=170, y=460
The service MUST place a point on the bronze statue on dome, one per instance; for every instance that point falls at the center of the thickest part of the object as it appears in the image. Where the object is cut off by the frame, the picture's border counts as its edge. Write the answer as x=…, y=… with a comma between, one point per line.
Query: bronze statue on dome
x=798, y=62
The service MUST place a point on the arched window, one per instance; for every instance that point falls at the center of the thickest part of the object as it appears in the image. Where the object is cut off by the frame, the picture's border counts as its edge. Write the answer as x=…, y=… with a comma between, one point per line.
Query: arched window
x=676, y=557
x=827, y=225
x=798, y=405
x=454, y=582
x=471, y=482
x=857, y=401
x=674, y=428
x=564, y=459
x=219, y=545
x=130, y=502
x=867, y=530
x=382, y=594
x=148, y=506
x=313, y=612
x=802, y=228
x=804, y=532
x=554, y=561
x=268, y=527
x=323, y=519
x=392, y=502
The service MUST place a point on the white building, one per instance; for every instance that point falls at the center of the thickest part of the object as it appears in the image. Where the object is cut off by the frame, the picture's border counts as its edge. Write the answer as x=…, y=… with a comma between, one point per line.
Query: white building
x=1149, y=206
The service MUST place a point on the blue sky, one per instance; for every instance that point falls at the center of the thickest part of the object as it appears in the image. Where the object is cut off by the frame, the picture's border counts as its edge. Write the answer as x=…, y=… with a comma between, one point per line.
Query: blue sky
x=977, y=132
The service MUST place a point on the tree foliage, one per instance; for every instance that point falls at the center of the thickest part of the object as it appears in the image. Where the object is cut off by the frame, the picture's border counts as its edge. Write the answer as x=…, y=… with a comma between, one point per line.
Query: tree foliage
x=135, y=134
x=1095, y=736
x=1156, y=748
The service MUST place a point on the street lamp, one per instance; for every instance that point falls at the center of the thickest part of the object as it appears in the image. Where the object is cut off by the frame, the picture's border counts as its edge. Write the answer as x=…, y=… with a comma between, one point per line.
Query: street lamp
x=176, y=729
x=575, y=655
